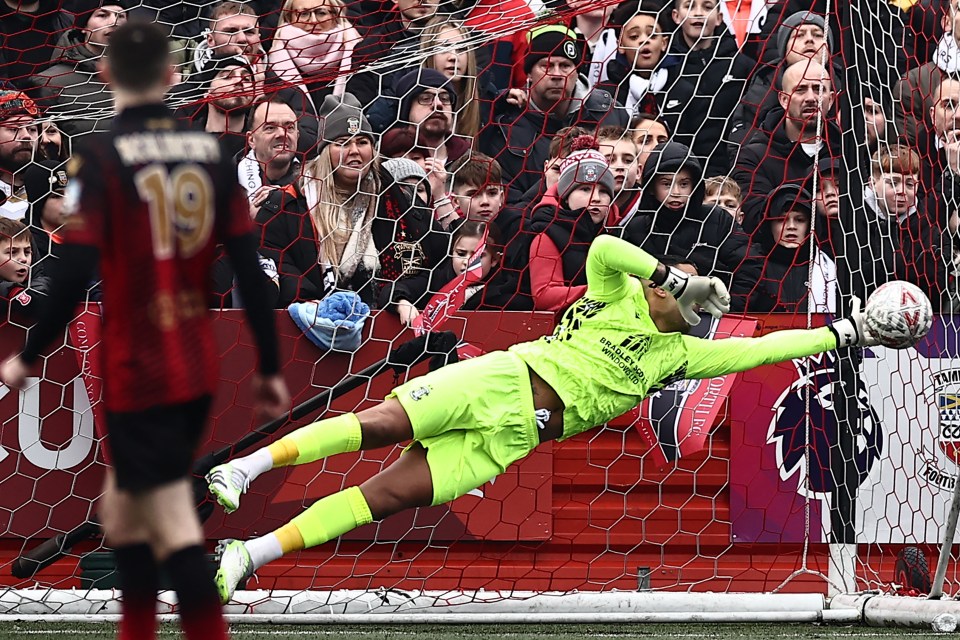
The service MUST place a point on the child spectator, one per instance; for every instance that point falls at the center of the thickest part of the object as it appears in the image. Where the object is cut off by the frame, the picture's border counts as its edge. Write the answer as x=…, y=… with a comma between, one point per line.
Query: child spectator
x=674, y=220
x=478, y=187
x=558, y=150
x=496, y=289
x=789, y=284
x=647, y=131
x=18, y=290
x=622, y=154
x=711, y=62
x=899, y=240
x=560, y=234
x=724, y=192
x=639, y=75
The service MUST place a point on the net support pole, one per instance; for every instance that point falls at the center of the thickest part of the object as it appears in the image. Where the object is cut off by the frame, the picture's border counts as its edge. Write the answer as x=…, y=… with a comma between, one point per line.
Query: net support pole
x=949, y=533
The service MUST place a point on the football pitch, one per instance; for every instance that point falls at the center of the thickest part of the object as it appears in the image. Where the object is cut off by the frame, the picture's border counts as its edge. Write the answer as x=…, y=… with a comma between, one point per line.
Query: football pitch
x=60, y=631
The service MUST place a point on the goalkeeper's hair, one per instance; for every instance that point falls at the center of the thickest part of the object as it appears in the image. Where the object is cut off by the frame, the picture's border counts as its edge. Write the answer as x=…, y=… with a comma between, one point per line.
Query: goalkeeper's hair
x=673, y=260
x=896, y=158
x=138, y=56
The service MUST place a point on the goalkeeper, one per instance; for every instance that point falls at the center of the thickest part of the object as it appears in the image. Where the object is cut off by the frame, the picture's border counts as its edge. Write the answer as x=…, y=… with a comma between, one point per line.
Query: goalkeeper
x=471, y=420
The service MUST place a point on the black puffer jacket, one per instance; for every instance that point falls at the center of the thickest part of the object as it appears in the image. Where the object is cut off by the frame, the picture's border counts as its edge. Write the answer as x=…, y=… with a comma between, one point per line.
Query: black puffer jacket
x=519, y=138
x=708, y=236
x=770, y=158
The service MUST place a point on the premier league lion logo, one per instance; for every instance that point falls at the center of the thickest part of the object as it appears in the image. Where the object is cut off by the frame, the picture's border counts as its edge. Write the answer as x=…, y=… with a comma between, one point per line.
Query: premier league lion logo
x=790, y=432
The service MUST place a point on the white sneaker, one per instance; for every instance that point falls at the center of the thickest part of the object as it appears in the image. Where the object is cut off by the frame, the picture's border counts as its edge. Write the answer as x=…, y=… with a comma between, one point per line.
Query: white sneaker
x=227, y=483
x=235, y=567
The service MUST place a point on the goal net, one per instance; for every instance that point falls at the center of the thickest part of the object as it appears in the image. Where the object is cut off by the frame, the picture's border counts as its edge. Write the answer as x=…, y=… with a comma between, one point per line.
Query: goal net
x=805, y=152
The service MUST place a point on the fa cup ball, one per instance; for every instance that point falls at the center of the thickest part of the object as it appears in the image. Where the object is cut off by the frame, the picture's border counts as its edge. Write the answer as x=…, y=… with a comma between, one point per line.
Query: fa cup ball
x=899, y=314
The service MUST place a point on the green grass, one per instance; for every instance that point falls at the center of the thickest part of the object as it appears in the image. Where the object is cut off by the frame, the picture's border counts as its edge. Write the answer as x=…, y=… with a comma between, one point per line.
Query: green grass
x=52, y=631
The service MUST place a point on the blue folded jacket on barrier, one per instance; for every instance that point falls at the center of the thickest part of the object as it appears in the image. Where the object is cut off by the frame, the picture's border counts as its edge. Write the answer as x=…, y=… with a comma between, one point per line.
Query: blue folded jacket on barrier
x=336, y=322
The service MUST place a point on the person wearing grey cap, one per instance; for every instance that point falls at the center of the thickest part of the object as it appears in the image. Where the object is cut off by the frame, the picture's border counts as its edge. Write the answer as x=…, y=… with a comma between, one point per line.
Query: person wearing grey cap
x=346, y=223
x=803, y=35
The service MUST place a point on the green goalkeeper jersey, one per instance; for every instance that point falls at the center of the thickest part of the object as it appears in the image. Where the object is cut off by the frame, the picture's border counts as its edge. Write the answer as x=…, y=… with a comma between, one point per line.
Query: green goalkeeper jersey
x=606, y=354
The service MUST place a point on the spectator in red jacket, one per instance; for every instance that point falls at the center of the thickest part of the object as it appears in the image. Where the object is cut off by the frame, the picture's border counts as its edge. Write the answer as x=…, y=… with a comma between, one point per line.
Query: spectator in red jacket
x=561, y=233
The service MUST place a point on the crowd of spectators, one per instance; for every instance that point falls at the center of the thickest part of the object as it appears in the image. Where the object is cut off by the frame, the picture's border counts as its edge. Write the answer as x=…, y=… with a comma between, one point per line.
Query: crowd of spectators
x=384, y=144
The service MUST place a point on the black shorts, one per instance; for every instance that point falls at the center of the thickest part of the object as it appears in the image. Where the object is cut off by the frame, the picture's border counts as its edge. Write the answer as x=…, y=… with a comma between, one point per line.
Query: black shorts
x=156, y=446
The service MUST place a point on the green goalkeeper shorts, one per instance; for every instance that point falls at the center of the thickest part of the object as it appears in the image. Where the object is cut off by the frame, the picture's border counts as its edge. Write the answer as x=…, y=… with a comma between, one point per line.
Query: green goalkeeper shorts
x=475, y=418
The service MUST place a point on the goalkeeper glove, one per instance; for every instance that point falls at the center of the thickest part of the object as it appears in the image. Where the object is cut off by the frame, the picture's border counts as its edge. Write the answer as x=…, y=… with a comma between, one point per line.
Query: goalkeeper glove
x=710, y=294
x=851, y=331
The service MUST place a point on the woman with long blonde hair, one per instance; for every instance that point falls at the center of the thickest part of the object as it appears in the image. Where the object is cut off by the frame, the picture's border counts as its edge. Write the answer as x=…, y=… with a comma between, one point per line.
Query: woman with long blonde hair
x=313, y=47
x=443, y=44
x=345, y=224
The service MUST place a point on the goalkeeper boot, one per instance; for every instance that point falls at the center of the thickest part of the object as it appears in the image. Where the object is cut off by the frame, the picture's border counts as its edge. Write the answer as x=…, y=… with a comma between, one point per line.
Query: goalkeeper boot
x=235, y=567
x=227, y=483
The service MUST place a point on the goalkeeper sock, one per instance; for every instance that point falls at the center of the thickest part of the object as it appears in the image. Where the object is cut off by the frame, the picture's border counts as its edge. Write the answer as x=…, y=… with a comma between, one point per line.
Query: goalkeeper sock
x=138, y=585
x=325, y=520
x=201, y=617
x=331, y=517
x=340, y=434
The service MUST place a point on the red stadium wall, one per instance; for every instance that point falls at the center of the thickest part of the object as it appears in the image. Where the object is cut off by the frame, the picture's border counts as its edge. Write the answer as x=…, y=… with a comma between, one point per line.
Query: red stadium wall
x=590, y=513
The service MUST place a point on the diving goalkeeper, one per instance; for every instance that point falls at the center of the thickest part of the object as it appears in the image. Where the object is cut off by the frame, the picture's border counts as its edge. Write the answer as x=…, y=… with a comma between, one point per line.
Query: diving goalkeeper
x=471, y=420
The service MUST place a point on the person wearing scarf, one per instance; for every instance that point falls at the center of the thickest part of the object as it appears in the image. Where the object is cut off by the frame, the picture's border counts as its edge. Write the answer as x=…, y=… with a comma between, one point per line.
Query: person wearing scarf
x=314, y=55
x=563, y=230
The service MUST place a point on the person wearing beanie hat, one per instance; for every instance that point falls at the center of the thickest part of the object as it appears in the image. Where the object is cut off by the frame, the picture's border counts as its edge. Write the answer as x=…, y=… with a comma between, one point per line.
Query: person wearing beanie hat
x=803, y=35
x=411, y=85
x=585, y=168
x=552, y=41
x=558, y=97
x=428, y=101
x=410, y=176
x=221, y=95
x=674, y=220
x=562, y=230
x=18, y=142
x=341, y=117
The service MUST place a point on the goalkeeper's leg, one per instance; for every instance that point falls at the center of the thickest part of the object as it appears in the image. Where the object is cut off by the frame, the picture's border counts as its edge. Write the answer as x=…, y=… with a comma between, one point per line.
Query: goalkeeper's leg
x=380, y=426
x=405, y=484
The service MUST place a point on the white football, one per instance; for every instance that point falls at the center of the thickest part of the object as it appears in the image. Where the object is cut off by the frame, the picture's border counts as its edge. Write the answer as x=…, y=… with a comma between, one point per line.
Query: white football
x=899, y=314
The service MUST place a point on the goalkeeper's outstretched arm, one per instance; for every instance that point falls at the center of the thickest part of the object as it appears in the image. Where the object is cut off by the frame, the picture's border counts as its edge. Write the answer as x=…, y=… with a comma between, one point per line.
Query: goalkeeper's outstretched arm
x=712, y=358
